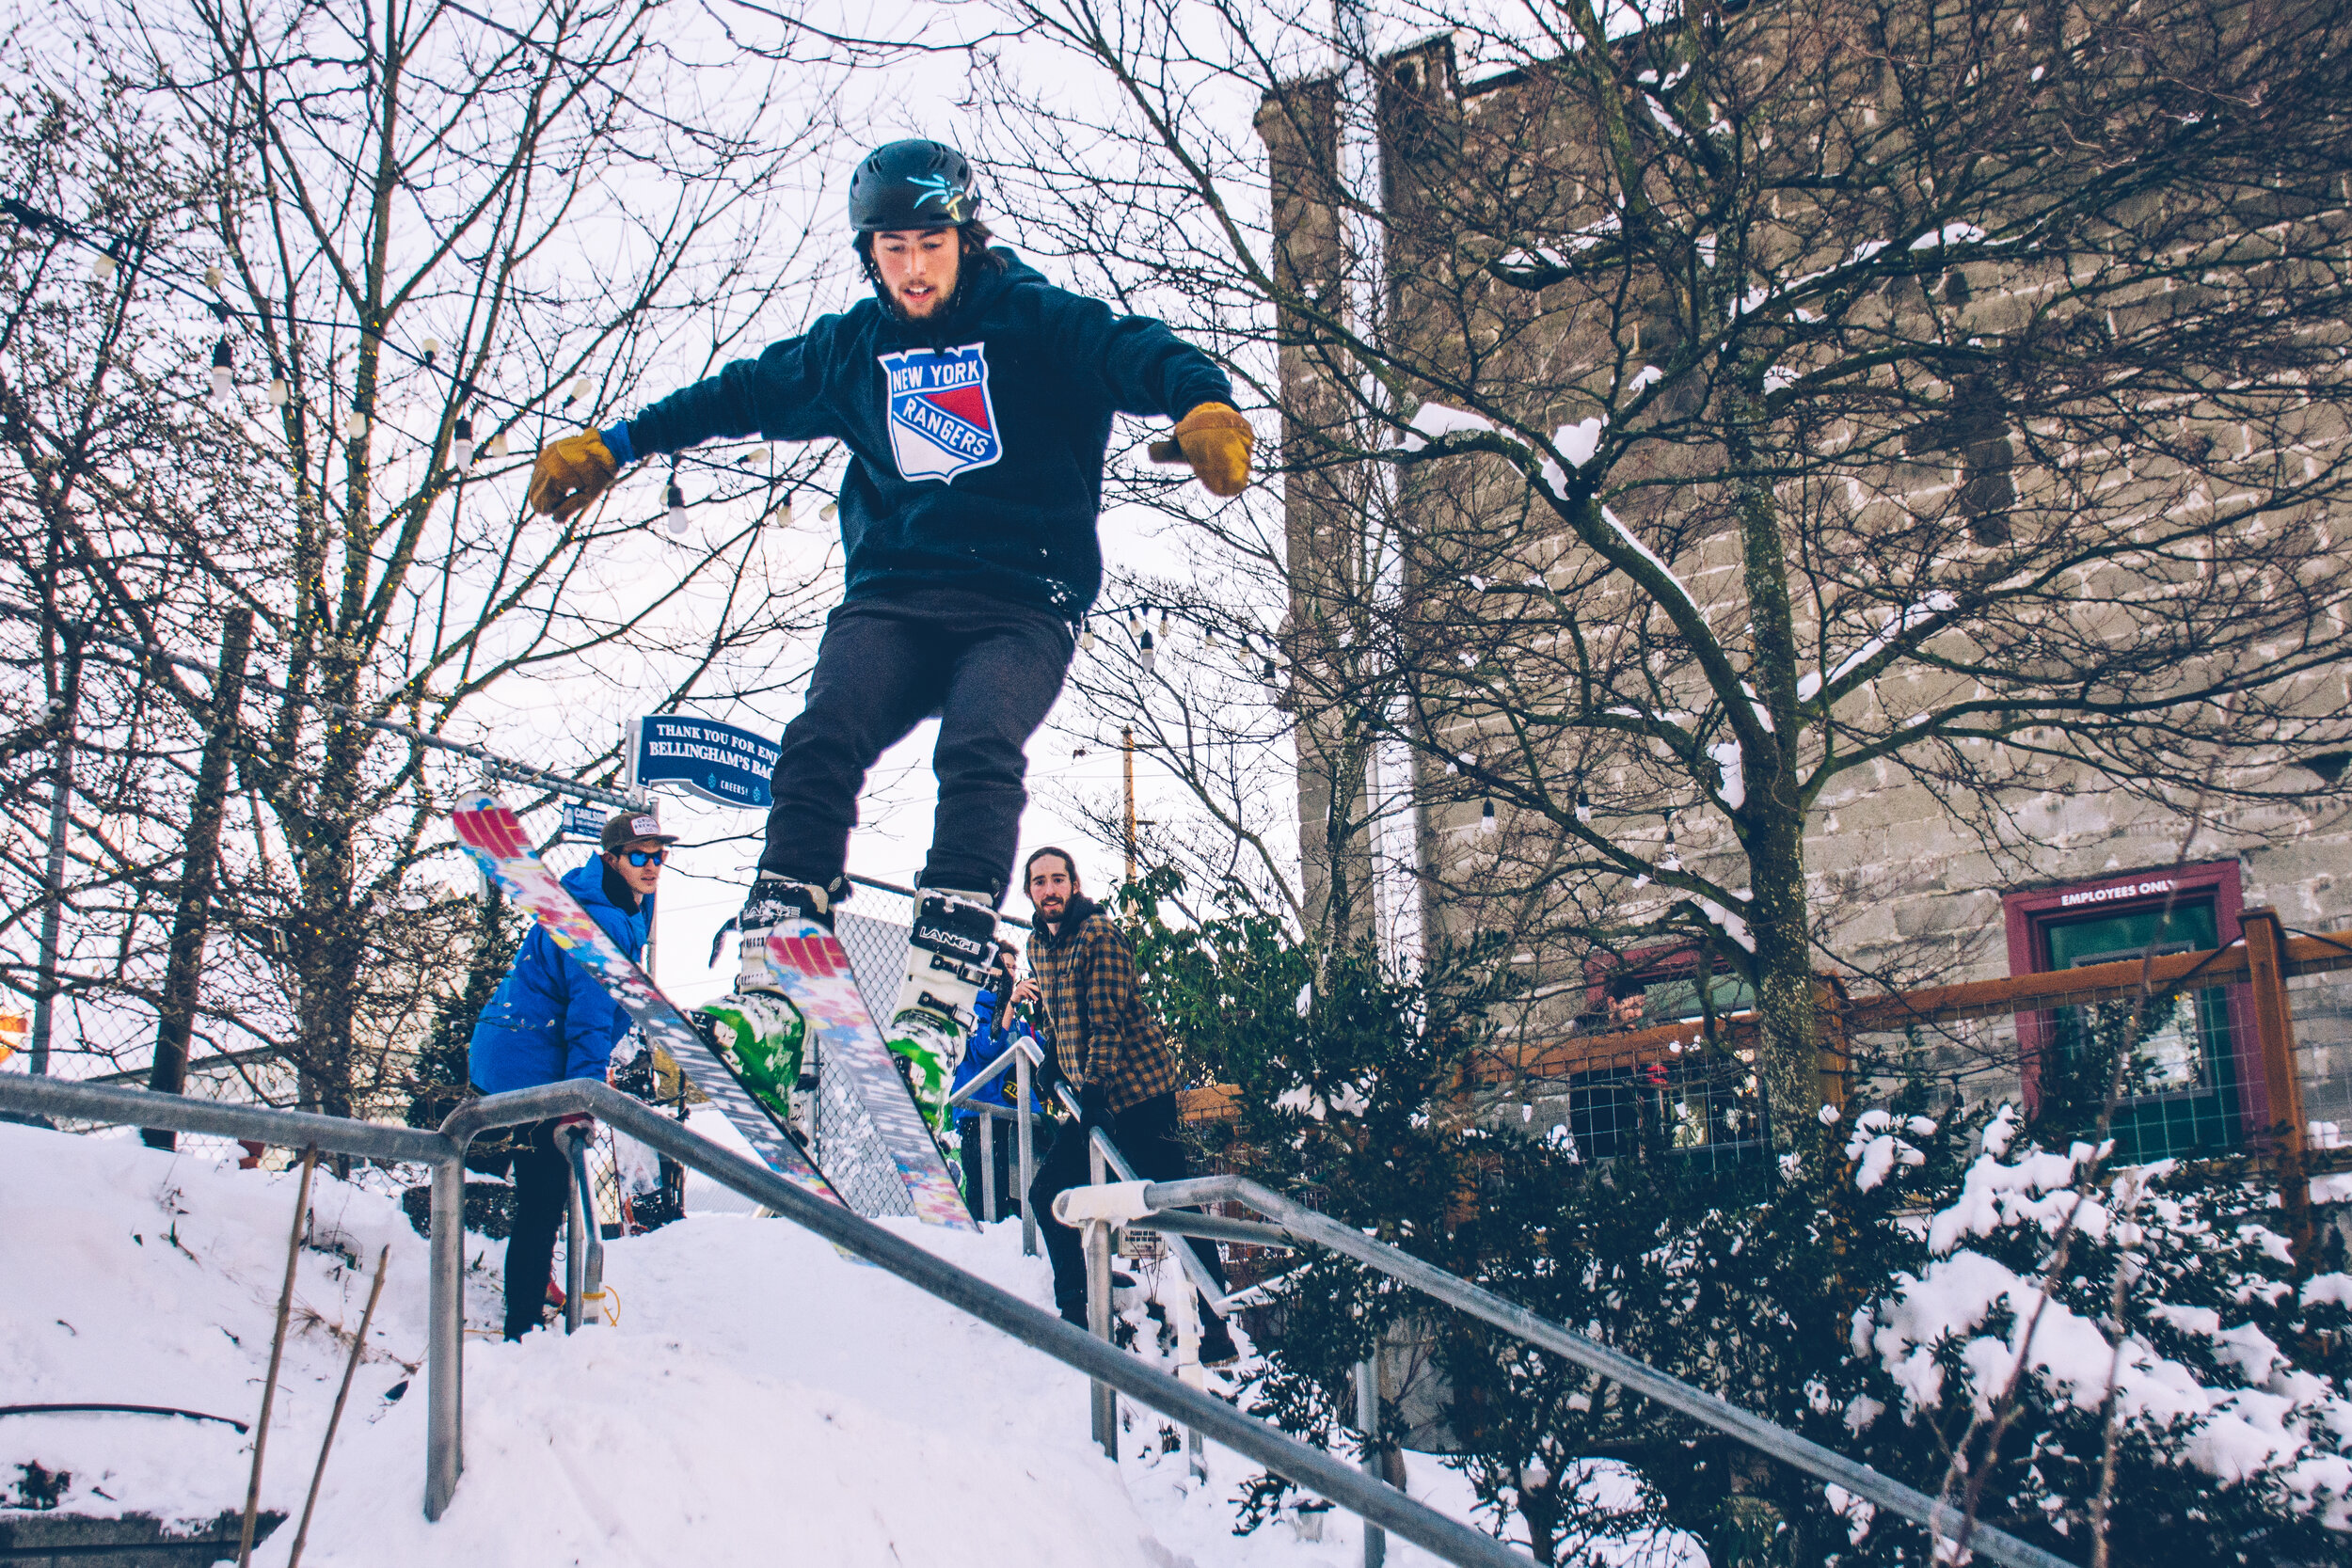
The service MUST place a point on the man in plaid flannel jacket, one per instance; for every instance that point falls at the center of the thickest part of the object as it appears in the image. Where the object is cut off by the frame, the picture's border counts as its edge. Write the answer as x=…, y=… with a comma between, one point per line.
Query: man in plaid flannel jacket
x=1113, y=1053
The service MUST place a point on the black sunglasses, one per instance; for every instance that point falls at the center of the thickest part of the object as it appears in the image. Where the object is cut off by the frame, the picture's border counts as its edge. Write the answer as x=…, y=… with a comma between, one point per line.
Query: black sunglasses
x=646, y=857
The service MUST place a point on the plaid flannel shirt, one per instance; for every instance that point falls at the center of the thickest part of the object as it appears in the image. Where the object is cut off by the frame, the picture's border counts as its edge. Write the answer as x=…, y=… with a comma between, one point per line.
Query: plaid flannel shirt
x=1095, y=1012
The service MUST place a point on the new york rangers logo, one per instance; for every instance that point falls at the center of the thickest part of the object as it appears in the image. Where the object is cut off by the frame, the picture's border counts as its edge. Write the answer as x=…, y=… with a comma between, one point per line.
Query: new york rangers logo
x=941, y=420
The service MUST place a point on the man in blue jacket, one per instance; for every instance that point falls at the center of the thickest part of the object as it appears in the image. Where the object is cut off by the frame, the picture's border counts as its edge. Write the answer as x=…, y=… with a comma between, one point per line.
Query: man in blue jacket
x=976, y=400
x=551, y=1021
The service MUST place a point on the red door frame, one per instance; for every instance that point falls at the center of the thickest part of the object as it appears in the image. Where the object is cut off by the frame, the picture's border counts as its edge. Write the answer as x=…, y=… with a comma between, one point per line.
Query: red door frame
x=2025, y=914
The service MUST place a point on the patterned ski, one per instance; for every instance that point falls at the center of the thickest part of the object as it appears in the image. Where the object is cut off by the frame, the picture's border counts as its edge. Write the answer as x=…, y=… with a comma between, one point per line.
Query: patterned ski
x=818, y=977
x=486, y=826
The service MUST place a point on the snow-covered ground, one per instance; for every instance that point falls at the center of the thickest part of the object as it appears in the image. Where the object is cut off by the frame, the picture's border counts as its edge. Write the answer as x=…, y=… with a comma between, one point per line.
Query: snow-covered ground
x=761, y=1399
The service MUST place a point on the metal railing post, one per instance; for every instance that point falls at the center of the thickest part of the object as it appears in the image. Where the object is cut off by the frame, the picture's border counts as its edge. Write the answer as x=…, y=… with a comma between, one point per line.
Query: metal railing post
x=1368, y=1422
x=1102, y=1400
x=1025, y=1149
x=445, y=1340
x=590, y=1229
x=988, y=1168
x=574, y=1233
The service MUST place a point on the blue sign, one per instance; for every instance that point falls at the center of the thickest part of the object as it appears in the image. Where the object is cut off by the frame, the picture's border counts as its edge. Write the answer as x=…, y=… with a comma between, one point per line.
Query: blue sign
x=583, y=820
x=718, y=762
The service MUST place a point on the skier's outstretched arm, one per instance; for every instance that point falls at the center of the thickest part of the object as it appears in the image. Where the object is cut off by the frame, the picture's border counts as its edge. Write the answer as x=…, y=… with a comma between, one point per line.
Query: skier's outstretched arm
x=779, y=395
x=1142, y=366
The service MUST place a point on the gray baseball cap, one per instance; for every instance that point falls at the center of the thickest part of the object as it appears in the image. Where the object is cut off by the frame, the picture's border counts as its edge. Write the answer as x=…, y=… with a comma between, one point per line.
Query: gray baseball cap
x=632, y=827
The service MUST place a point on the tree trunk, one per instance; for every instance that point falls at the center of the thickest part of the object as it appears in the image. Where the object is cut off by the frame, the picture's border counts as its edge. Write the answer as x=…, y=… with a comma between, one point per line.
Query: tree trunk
x=1772, y=819
x=183, y=973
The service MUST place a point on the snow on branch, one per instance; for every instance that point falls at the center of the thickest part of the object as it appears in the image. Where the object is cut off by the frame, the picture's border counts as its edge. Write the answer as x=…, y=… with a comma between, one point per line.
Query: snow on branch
x=1941, y=602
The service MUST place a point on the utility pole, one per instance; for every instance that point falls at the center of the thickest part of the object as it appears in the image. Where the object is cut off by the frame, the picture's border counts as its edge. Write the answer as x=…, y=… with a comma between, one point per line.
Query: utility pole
x=1127, y=769
x=183, y=973
x=60, y=820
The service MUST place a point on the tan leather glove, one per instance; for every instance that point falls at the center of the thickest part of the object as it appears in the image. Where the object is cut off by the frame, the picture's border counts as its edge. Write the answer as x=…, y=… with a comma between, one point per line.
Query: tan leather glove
x=569, y=474
x=1216, y=441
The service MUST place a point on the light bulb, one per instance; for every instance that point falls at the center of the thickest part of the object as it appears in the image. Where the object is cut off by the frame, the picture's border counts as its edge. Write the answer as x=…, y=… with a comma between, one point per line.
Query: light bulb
x=278, y=391
x=677, y=511
x=1134, y=627
x=830, y=511
x=212, y=277
x=357, y=426
x=1085, y=641
x=495, y=448
x=1151, y=655
x=1163, y=623
x=579, y=390
x=102, y=267
x=220, y=371
x=461, y=445
x=1487, y=822
x=1583, y=807
x=432, y=349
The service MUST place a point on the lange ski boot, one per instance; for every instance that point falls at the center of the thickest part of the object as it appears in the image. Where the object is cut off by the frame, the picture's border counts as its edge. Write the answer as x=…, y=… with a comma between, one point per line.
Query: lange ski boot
x=765, y=1040
x=779, y=901
x=950, y=960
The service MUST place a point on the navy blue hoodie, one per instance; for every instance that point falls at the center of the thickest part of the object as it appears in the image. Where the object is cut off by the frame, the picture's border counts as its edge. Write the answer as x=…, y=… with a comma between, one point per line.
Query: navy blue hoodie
x=975, y=439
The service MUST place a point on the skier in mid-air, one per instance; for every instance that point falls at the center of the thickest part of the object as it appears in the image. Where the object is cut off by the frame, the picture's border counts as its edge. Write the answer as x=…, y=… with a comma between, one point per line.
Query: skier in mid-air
x=976, y=400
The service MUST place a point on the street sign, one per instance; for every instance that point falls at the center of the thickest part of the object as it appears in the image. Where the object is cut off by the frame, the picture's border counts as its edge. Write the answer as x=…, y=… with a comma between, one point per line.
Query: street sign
x=718, y=762
x=583, y=820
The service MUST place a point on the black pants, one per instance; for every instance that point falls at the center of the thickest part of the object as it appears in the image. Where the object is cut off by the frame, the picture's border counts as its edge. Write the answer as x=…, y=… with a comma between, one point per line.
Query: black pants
x=543, y=1186
x=990, y=669
x=1004, y=1138
x=1145, y=1134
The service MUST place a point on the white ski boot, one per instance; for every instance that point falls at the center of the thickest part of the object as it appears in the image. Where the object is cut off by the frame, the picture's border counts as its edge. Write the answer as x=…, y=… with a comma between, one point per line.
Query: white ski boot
x=951, y=959
x=778, y=901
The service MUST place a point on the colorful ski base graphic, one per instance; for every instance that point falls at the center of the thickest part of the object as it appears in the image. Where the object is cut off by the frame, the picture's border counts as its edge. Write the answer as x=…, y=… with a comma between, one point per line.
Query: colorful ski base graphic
x=488, y=827
x=817, y=976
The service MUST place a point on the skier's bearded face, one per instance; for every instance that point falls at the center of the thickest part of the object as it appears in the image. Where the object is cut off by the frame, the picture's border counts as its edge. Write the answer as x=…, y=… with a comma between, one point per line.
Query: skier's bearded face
x=918, y=268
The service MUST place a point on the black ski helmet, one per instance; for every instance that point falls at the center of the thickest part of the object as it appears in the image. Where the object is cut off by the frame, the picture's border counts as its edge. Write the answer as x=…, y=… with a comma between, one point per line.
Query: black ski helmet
x=912, y=184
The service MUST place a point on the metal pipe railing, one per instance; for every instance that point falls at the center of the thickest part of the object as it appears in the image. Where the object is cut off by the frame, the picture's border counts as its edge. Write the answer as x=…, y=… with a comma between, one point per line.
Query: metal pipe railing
x=1308, y=1226
x=1100, y=1152
x=1022, y=1055
x=583, y=1247
x=112, y=1106
x=1039, y=1330
x=445, y=1349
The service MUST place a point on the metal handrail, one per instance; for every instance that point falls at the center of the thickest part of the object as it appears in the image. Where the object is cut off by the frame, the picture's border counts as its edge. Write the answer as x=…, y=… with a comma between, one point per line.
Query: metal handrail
x=1101, y=1150
x=988, y=1075
x=1024, y=1055
x=1309, y=1226
x=122, y=1107
x=444, y=1373
x=1039, y=1330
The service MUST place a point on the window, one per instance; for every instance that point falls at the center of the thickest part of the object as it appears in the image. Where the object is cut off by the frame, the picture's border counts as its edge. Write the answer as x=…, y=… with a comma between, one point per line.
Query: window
x=2183, y=1077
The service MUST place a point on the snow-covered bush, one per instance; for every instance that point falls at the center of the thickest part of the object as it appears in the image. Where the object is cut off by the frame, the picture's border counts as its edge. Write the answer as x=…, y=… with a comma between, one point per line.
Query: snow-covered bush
x=1987, y=1309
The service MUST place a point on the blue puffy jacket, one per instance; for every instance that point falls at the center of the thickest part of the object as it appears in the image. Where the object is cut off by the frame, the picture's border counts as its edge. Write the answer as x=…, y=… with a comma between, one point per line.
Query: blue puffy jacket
x=549, y=1020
